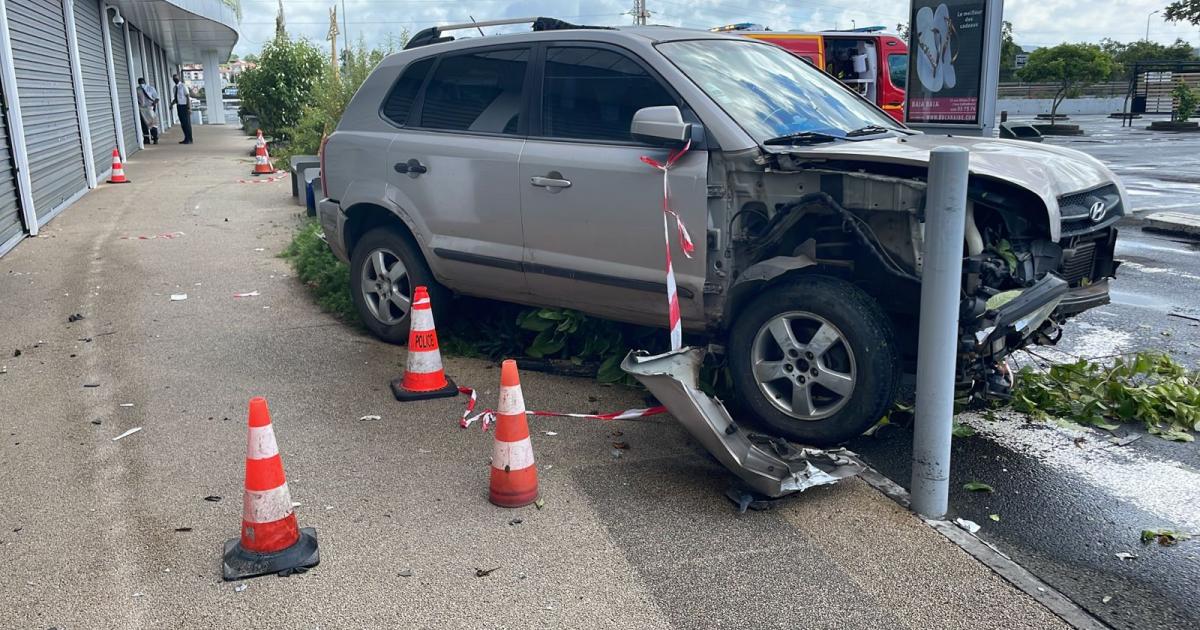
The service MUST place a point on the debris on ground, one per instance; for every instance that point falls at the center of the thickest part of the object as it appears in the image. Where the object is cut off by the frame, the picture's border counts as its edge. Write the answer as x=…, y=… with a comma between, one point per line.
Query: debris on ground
x=971, y=526
x=962, y=430
x=551, y=433
x=615, y=453
x=91, y=384
x=1165, y=537
x=17, y=352
x=485, y=572
x=516, y=521
x=405, y=573
x=96, y=421
x=1124, y=441
x=254, y=293
x=1106, y=599
x=212, y=498
x=127, y=433
x=370, y=418
x=240, y=587
x=977, y=486
x=74, y=318
x=183, y=529
x=1124, y=555
x=178, y=297
x=624, y=446
x=994, y=517
x=126, y=405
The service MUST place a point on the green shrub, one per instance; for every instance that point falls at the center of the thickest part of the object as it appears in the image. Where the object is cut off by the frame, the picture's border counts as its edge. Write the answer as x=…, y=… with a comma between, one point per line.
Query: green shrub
x=282, y=84
x=321, y=271
x=1188, y=101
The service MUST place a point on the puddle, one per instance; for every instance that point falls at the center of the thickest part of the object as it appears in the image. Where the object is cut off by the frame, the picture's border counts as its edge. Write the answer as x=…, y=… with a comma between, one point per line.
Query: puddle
x=1125, y=298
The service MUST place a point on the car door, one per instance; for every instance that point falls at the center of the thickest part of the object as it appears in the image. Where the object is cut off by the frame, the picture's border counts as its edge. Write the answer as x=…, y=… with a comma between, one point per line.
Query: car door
x=592, y=210
x=453, y=166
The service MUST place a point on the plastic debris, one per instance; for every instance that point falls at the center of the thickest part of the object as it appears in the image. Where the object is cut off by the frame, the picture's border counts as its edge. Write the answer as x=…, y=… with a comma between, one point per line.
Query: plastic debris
x=485, y=572
x=96, y=421
x=516, y=521
x=550, y=433
x=994, y=517
x=405, y=573
x=240, y=587
x=260, y=249
x=370, y=418
x=254, y=293
x=1125, y=555
x=91, y=384
x=74, y=318
x=212, y=498
x=178, y=297
x=126, y=404
x=183, y=529
x=539, y=504
x=971, y=526
x=127, y=433
x=1106, y=599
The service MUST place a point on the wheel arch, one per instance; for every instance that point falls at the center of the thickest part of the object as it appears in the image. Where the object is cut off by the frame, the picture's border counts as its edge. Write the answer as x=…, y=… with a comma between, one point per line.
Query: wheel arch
x=761, y=275
x=364, y=217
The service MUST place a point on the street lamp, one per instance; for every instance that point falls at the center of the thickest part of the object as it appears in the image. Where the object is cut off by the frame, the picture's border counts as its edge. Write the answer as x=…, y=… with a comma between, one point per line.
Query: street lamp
x=1148, y=23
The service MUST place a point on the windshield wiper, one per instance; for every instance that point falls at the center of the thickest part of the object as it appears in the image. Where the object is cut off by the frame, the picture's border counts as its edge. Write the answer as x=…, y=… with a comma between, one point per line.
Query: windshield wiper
x=802, y=137
x=869, y=130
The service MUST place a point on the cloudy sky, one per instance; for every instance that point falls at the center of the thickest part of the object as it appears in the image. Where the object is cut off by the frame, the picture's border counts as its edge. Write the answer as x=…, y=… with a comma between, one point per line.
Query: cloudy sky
x=1035, y=22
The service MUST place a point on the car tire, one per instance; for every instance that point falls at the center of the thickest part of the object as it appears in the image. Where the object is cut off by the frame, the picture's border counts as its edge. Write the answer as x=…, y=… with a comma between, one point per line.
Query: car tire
x=381, y=299
x=814, y=359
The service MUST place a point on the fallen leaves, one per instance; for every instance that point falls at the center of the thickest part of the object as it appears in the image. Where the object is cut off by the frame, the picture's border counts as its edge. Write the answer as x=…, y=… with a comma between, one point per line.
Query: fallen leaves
x=977, y=486
x=1165, y=537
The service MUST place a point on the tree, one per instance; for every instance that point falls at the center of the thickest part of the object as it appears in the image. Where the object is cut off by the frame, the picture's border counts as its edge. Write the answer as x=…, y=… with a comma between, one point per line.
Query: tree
x=1143, y=50
x=1188, y=101
x=1008, y=51
x=1184, y=11
x=282, y=84
x=1070, y=66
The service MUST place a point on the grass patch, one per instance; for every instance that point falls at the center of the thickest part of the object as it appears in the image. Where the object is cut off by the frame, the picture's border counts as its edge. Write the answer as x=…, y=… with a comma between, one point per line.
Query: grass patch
x=327, y=277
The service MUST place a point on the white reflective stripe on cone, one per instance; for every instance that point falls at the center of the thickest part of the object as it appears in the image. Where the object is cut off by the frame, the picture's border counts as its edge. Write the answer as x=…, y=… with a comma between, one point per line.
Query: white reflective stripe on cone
x=422, y=319
x=513, y=455
x=512, y=402
x=424, y=361
x=261, y=444
x=267, y=506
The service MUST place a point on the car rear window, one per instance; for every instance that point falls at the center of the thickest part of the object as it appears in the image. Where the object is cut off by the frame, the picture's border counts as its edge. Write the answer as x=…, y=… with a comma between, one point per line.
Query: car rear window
x=404, y=93
x=480, y=92
x=592, y=93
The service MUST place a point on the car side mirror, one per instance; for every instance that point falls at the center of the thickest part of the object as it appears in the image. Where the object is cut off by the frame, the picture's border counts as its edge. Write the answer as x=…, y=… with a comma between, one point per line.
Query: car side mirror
x=661, y=125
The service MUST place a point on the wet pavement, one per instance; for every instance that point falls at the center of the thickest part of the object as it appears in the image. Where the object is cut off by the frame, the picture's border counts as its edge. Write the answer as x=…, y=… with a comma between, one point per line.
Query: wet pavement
x=1068, y=501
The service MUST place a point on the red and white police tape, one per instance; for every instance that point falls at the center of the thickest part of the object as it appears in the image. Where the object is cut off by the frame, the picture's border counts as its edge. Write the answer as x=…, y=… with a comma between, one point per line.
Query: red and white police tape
x=488, y=416
x=685, y=242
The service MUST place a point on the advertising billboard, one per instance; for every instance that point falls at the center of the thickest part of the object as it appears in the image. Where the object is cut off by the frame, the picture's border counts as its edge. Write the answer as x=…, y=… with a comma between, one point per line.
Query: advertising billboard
x=950, y=58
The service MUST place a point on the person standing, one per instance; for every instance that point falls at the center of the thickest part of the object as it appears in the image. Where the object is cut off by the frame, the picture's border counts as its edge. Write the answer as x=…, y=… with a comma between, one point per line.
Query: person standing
x=147, y=108
x=183, y=105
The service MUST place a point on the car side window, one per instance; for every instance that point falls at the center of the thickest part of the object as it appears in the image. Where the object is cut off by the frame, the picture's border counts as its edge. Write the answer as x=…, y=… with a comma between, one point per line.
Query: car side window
x=404, y=93
x=592, y=93
x=481, y=91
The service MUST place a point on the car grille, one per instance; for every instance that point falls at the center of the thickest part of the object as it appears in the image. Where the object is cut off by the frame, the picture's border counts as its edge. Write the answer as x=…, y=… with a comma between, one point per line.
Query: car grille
x=1078, y=263
x=1076, y=208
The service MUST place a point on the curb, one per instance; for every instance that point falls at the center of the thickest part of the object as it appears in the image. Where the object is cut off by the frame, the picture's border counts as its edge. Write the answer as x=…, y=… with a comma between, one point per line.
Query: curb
x=1059, y=604
x=1177, y=223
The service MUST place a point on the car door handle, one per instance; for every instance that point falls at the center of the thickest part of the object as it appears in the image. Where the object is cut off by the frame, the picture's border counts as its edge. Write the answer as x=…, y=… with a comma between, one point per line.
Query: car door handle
x=412, y=167
x=552, y=180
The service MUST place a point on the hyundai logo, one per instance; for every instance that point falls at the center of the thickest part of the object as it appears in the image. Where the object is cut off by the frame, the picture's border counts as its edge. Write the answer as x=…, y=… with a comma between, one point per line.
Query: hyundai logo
x=1099, y=209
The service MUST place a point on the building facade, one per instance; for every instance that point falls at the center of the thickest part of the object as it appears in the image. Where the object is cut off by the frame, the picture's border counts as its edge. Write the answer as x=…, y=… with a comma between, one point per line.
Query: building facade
x=68, y=80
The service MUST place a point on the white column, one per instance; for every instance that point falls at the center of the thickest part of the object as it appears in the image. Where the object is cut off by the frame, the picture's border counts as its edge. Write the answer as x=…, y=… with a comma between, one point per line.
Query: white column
x=137, y=114
x=212, y=88
x=112, y=80
x=85, y=131
x=16, y=133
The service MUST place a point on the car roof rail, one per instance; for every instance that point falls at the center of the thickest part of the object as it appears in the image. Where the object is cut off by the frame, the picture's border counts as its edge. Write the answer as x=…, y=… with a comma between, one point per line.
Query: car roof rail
x=434, y=34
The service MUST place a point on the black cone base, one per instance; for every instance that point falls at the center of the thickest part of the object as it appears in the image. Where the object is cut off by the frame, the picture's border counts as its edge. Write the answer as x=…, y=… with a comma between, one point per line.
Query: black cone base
x=240, y=563
x=406, y=395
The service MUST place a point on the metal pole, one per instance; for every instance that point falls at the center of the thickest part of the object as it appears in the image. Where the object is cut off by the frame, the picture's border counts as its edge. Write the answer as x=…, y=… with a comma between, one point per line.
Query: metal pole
x=1150, y=15
x=941, y=286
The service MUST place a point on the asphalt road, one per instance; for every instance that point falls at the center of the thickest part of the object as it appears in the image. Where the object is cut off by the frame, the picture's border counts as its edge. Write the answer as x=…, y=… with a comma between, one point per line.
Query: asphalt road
x=97, y=533
x=1068, y=500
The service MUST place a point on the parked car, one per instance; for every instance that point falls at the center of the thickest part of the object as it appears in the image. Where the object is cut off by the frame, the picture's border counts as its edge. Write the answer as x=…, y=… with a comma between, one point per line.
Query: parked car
x=507, y=167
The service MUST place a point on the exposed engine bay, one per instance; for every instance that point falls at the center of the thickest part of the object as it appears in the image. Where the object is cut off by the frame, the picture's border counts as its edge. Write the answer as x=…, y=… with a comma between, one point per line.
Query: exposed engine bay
x=780, y=214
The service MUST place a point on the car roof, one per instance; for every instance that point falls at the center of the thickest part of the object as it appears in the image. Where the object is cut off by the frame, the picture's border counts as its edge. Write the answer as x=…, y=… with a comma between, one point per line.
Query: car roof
x=650, y=34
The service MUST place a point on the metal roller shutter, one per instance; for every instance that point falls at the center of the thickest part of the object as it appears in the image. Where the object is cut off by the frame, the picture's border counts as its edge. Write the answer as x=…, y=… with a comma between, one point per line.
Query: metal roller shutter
x=94, y=68
x=10, y=203
x=38, y=33
x=129, y=115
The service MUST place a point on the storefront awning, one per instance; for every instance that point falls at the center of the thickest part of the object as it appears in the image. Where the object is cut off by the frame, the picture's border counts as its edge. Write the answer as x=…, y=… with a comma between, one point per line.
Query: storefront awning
x=185, y=29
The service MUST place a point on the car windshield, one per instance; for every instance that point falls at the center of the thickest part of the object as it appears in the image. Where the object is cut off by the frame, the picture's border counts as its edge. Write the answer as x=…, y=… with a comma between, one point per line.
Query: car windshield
x=771, y=93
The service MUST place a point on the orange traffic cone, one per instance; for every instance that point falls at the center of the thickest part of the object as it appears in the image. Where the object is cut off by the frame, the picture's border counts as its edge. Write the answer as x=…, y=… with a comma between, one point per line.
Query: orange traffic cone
x=514, y=473
x=118, y=172
x=271, y=542
x=424, y=377
x=262, y=160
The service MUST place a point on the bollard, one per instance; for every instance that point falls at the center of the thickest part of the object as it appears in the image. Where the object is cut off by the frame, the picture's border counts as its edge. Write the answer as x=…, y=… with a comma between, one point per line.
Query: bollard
x=1004, y=116
x=941, y=285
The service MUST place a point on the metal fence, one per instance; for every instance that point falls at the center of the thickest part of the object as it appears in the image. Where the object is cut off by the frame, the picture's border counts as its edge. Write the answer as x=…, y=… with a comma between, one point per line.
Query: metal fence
x=1048, y=90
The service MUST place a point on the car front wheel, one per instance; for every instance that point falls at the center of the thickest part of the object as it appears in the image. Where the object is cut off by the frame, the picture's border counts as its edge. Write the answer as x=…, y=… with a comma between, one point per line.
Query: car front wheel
x=815, y=360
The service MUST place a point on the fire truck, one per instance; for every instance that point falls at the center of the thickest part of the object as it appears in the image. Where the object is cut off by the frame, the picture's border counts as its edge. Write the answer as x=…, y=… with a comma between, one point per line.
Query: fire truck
x=868, y=60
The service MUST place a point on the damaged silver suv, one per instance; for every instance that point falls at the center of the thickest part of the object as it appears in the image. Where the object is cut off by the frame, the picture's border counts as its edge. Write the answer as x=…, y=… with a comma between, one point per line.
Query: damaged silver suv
x=508, y=167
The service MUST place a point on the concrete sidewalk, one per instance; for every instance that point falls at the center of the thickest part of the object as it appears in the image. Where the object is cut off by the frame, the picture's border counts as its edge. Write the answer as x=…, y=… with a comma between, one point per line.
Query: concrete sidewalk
x=89, y=527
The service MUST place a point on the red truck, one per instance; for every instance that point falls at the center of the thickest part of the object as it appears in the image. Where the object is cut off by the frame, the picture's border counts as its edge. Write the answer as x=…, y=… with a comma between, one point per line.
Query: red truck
x=867, y=60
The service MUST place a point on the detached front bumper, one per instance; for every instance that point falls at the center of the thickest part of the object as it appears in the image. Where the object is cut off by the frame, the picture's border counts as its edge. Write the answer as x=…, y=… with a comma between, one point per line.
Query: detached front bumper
x=333, y=222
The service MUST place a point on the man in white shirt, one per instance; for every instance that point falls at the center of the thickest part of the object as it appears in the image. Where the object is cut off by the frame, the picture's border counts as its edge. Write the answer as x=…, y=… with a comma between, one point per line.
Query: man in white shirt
x=183, y=105
x=148, y=109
